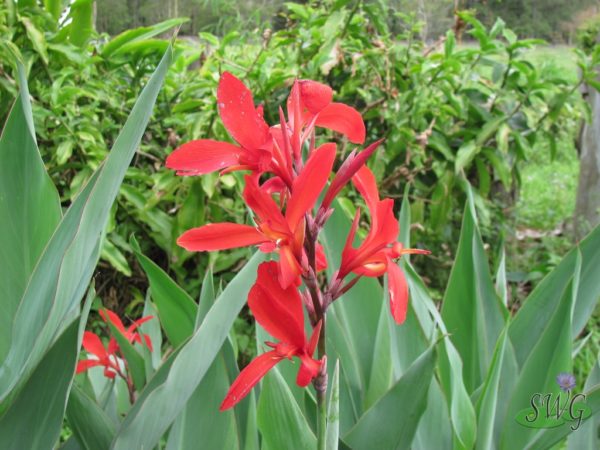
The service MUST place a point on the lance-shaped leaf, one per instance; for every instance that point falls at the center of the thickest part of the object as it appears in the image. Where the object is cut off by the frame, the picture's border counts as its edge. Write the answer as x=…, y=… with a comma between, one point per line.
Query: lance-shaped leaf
x=586, y=436
x=333, y=411
x=552, y=353
x=29, y=207
x=392, y=421
x=176, y=309
x=66, y=265
x=173, y=384
x=540, y=306
x=280, y=420
x=472, y=312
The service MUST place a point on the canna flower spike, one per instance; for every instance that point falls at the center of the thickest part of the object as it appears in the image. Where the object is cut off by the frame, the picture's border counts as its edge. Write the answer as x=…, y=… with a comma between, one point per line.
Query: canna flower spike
x=108, y=356
x=279, y=312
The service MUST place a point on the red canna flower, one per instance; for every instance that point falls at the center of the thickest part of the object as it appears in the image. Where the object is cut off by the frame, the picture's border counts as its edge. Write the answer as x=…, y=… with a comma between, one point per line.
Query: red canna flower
x=245, y=124
x=101, y=356
x=130, y=334
x=275, y=231
x=279, y=312
x=375, y=256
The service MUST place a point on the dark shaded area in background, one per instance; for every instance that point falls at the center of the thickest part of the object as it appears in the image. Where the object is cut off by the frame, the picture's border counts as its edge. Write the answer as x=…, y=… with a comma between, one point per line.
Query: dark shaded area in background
x=553, y=20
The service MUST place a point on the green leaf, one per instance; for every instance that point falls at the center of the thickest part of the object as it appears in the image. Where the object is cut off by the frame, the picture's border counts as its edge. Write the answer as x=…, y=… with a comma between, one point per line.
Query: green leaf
x=29, y=206
x=207, y=297
x=462, y=413
x=176, y=309
x=553, y=353
x=36, y=37
x=472, y=312
x=405, y=402
x=201, y=420
x=465, y=155
x=82, y=26
x=279, y=418
x=333, y=411
x=43, y=399
x=532, y=318
x=92, y=428
x=54, y=7
x=64, y=269
x=139, y=34
x=587, y=435
x=115, y=257
x=173, y=384
x=488, y=400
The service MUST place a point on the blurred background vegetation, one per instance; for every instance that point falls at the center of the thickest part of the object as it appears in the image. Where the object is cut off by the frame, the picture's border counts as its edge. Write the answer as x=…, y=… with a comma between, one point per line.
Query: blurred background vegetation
x=465, y=92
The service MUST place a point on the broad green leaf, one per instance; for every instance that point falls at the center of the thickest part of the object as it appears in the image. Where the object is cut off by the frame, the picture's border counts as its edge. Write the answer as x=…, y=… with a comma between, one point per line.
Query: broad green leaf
x=465, y=155
x=552, y=353
x=279, y=418
x=333, y=411
x=92, y=428
x=207, y=297
x=472, y=312
x=139, y=34
x=380, y=379
x=487, y=404
x=462, y=413
x=434, y=430
x=531, y=321
x=115, y=257
x=67, y=263
x=201, y=420
x=34, y=418
x=176, y=309
x=173, y=384
x=54, y=7
x=36, y=37
x=82, y=26
x=29, y=206
x=392, y=421
x=586, y=436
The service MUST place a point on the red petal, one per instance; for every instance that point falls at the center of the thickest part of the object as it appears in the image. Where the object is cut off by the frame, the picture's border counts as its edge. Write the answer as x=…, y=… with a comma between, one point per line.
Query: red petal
x=366, y=184
x=309, y=369
x=321, y=258
x=93, y=345
x=148, y=342
x=238, y=113
x=289, y=267
x=398, y=291
x=107, y=315
x=309, y=184
x=248, y=378
x=314, y=339
x=343, y=119
x=203, y=156
x=220, y=236
x=315, y=96
x=137, y=323
x=277, y=310
x=109, y=373
x=85, y=364
x=264, y=206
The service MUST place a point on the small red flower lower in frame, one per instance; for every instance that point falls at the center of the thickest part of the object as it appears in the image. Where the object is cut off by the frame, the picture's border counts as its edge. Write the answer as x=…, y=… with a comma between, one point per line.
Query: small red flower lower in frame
x=279, y=312
x=108, y=356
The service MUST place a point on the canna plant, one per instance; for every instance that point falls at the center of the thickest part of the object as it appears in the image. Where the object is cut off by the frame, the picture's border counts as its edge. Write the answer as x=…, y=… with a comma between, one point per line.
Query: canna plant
x=297, y=172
